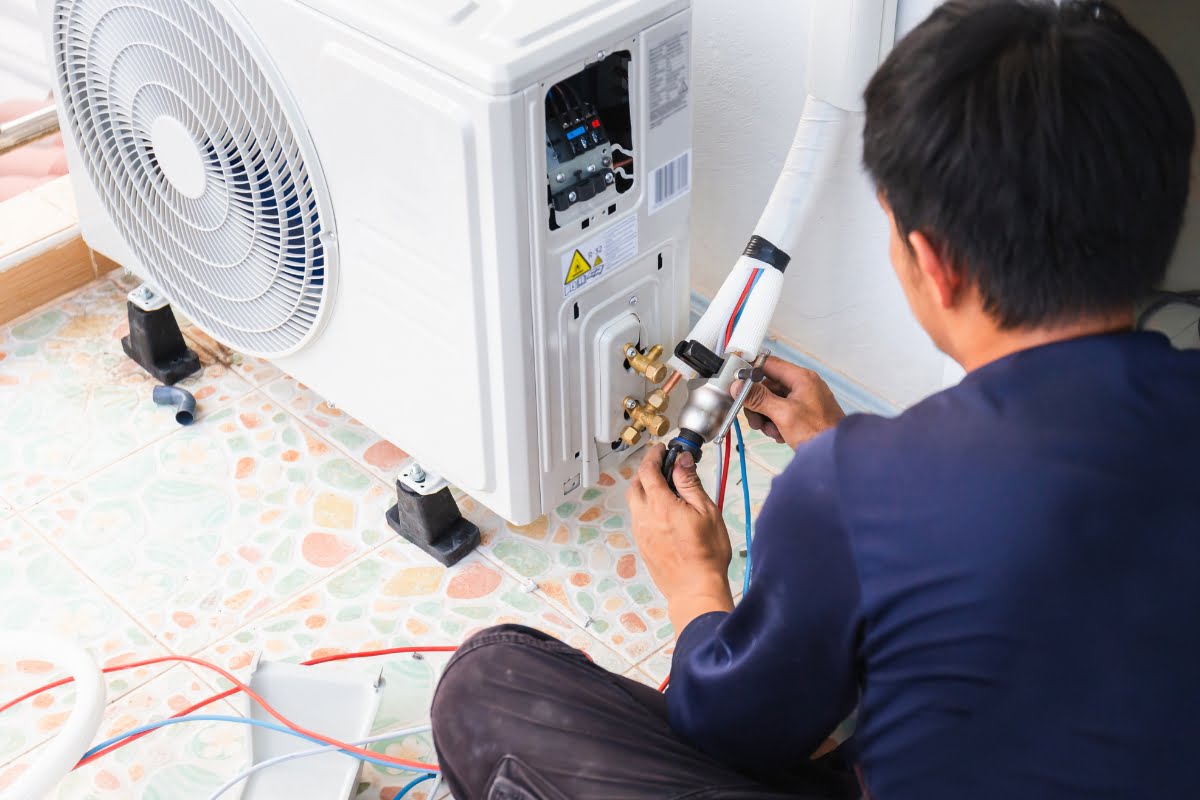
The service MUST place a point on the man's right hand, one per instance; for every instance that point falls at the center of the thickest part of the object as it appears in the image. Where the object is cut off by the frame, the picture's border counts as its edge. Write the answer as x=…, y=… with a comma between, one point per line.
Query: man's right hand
x=792, y=405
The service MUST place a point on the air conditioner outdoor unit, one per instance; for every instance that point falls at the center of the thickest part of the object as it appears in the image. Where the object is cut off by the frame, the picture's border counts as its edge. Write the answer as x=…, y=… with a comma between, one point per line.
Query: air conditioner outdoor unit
x=446, y=217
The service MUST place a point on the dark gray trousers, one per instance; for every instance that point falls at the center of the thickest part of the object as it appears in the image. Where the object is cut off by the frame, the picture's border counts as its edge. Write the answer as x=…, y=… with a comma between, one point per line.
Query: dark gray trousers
x=518, y=715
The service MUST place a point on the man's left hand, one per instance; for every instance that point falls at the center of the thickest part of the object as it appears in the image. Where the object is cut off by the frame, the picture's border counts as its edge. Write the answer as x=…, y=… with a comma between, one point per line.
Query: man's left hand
x=682, y=539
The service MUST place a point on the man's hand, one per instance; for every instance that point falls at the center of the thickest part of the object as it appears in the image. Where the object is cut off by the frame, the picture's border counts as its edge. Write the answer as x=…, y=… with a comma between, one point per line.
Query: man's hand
x=683, y=540
x=792, y=405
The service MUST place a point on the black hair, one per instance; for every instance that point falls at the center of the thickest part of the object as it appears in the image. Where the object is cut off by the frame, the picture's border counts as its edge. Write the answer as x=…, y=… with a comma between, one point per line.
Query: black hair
x=1044, y=149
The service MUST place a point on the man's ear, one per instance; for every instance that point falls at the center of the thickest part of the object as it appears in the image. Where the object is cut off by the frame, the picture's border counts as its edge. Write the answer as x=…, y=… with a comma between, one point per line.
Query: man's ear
x=943, y=276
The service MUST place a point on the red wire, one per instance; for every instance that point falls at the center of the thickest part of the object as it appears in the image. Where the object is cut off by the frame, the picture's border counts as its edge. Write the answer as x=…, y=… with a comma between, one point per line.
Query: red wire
x=741, y=301
x=230, y=692
x=241, y=687
x=724, y=476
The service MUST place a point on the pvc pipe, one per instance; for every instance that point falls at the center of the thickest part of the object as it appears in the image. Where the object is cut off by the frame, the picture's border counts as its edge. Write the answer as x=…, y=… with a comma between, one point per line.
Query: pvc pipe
x=182, y=399
x=845, y=46
x=63, y=752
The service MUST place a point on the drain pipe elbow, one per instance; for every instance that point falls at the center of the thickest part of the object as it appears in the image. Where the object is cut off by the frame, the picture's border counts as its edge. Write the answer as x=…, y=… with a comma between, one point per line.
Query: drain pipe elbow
x=181, y=399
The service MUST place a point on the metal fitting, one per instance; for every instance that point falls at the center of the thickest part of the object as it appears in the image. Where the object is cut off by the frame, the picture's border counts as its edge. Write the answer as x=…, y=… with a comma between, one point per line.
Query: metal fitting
x=658, y=401
x=417, y=473
x=608, y=177
x=647, y=365
x=560, y=177
x=572, y=196
x=642, y=418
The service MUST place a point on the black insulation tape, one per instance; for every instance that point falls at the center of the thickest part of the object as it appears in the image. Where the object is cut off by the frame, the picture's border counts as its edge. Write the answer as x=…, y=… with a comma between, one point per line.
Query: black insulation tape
x=762, y=250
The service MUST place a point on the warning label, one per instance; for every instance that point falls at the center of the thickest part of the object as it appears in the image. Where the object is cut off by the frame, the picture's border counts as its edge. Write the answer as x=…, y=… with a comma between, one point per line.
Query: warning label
x=600, y=255
x=579, y=267
x=669, y=60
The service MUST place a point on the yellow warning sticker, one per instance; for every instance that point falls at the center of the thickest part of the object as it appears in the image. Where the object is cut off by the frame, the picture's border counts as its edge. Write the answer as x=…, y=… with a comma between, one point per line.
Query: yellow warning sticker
x=579, y=267
x=589, y=261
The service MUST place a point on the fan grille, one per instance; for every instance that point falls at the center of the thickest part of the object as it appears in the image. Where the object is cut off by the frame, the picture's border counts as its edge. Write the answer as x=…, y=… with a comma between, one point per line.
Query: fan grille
x=221, y=210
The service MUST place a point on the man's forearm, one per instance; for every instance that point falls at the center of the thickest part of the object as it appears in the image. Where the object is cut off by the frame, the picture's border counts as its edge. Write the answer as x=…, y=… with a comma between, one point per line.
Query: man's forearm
x=712, y=595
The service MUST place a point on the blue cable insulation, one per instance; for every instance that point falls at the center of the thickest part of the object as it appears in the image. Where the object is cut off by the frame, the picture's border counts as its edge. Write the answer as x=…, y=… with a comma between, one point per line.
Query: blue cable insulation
x=415, y=782
x=737, y=429
x=757, y=277
x=162, y=723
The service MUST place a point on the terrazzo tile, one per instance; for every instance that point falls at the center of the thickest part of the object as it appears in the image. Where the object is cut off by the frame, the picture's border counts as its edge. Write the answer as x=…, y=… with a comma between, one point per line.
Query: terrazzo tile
x=582, y=558
x=658, y=665
x=766, y=451
x=71, y=402
x=355, y=439
x=179, y=762
x=43, y=592
x=215, y=524
x=397, y=596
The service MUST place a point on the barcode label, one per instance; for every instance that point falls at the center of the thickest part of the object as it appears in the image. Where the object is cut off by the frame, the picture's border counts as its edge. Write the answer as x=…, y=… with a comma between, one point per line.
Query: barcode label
x=670, y=182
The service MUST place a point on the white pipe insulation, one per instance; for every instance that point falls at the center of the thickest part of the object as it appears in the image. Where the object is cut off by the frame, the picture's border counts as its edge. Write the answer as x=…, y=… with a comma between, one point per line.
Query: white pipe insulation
x=846, y=41
x=62, y=753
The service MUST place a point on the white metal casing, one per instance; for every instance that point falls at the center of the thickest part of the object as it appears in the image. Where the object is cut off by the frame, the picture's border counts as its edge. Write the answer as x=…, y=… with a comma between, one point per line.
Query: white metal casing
x=449, y=333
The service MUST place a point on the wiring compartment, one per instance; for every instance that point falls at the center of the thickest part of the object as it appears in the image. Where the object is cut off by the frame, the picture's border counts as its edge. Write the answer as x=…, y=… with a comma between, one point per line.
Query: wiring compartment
x=589, y=140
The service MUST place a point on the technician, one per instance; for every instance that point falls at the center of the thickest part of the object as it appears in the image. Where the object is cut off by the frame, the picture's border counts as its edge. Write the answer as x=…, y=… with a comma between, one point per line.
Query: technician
x=1005, y=579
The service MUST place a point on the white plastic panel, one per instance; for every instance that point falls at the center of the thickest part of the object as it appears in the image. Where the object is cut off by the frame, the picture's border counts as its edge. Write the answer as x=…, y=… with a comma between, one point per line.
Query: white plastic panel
x=498, y=46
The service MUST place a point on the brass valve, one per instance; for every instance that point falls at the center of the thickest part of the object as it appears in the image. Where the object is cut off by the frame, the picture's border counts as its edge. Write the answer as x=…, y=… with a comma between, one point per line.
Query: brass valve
x=646, y=364
x=643, y=418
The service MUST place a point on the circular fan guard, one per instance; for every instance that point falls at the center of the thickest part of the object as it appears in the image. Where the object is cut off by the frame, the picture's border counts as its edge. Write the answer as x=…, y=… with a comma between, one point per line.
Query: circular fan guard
x=154, y=91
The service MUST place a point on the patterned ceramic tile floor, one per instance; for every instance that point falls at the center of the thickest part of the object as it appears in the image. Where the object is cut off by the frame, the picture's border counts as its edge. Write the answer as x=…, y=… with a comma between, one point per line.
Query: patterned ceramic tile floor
x=260, y=529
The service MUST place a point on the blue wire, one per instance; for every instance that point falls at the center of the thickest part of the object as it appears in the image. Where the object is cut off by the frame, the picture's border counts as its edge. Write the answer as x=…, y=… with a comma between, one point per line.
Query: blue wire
x=737, y=429
x=408, y=787
x=162, y=723
x=757, y=277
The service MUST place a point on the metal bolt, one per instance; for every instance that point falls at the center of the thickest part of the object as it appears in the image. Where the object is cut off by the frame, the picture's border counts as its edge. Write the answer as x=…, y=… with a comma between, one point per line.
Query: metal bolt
x=606, y=161
x=591, y=167
x=608, y=177
x=633, y=301
x=417, y=473
x=572, y=196
x=631, y=352
x=600, y=56
x=630, y=403
x=560, y=177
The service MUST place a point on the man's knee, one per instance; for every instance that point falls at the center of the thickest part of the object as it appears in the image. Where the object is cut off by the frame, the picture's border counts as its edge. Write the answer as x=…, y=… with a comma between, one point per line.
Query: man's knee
x=491, y=666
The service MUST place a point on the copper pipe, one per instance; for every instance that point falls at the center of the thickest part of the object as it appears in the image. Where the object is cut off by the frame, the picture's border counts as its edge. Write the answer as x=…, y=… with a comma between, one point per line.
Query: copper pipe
x=672, y=382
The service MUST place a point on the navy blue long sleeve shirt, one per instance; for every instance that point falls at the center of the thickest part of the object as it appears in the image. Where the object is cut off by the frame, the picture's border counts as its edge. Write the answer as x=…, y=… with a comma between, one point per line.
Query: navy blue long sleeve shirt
x=1005, y=580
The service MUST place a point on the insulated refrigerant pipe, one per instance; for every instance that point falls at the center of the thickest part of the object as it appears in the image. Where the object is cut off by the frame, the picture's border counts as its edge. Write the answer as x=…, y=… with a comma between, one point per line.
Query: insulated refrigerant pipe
x=58, y=757
x=846, y=38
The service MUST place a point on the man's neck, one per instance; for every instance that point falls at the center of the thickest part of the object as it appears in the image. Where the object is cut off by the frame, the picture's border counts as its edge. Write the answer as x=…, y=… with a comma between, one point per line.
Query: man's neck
x=992, y=344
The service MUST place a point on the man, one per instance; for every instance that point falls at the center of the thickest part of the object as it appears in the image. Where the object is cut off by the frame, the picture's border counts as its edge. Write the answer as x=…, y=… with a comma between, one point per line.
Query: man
x=1004, y=580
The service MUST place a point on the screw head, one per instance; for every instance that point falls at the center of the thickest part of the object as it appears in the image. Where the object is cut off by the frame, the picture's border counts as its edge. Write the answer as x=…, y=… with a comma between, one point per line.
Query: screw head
x=606, y=161
x=633, y=301
x=630, y=403
x=560, y=177
x=591, y=167
x=572, y=196
x=600, y=56
x=608, y=177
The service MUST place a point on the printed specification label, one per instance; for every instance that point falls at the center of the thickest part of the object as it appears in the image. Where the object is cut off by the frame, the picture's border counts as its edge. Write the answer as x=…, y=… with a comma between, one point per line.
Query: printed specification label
x=603, y=253
x=669, y=60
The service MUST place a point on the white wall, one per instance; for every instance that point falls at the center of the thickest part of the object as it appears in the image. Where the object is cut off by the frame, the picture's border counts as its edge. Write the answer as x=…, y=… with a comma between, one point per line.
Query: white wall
x=23, y=72
x=841, y=302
